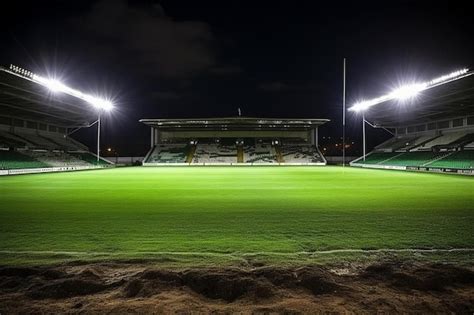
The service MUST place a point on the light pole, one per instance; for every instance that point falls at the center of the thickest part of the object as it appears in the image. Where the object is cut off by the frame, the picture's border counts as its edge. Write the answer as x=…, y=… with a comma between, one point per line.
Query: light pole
x=363, y=135
x=344, y=115
x=98, y=137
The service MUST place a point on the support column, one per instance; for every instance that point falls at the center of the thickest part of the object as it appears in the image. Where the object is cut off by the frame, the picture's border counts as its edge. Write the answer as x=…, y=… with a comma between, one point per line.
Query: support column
x=316, y=136
x=152, y=137
x=157, y=137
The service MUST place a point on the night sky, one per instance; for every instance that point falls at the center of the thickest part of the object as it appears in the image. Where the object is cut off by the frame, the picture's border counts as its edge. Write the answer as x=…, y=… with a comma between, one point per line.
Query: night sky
x=168, y=59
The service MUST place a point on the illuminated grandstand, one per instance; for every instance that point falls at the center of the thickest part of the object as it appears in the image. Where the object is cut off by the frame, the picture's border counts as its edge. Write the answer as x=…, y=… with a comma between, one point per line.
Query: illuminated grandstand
x=433, y=129
x=234, y=141
x=36, y=123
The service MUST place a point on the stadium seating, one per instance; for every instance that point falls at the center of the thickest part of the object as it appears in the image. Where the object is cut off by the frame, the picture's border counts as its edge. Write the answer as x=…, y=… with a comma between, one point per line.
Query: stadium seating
x=168, y=153
x=25, y=159
x=8, y=142
x=419, y=142
x=45, y=141
x=16, y=160
x=378, y=157
x=461, y=142
x=35, y=141
x=413, y=158
x=300, y=154
x=66, y=144
x=57, y=158
x=458, y=160
x=260, y=153
x=14, y=141
x=232, y=151
x=444, y=139
x=215, y=153
x=396, y=143
x=89, y=158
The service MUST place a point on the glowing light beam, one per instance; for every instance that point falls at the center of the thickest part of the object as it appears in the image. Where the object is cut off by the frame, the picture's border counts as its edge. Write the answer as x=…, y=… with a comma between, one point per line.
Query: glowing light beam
x=408, y=91
x=57, y=86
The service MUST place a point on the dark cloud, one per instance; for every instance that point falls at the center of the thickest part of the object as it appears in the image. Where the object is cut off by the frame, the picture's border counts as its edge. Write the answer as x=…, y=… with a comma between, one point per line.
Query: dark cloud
x=281, y=86
x=148, y=39
x=165, y=95
x=226, y=70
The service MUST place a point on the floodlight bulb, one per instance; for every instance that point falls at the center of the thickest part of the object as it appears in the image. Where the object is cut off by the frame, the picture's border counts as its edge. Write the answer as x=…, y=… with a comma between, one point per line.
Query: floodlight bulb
x=55, y=85
x=408, y=91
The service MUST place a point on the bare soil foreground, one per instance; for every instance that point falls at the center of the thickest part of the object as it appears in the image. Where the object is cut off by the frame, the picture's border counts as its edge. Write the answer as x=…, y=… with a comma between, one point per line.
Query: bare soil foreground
x=142, y=288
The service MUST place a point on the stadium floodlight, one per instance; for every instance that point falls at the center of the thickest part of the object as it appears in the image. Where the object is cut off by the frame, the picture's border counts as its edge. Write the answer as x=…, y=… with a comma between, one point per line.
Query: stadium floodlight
x=57, y=86
x=407, y=91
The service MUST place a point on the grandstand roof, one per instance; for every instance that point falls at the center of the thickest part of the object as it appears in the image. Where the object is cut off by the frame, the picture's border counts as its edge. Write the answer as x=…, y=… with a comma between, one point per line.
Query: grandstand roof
x=25, y=99
x=453, y=99
x=235, y=123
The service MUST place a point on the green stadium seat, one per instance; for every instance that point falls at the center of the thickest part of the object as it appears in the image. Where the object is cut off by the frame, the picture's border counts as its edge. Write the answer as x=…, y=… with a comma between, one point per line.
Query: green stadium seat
x=15, y=160
x=457, y=160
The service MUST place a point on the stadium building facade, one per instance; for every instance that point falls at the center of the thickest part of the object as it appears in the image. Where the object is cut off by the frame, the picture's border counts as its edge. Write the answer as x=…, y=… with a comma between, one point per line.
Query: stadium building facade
x=35, y=125
x=433, y=131
x=234, y=141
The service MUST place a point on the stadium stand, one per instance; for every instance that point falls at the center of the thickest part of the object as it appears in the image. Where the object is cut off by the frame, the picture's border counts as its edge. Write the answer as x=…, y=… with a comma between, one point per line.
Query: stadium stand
x=396, y=143
x=215, y=153
x=444, y=139
x=235, y=141
x=413, y=158
x=10, y=142
x=168, y=153
x=260, y=153
x=57, y=158
x=459, y=143
x=43, y=150
x=433, y=132
x=456, y=160
x=89, y=158
x=420, y=141
x=300, y=154
x=378, y=157
x=34, y=133
x=10, y=159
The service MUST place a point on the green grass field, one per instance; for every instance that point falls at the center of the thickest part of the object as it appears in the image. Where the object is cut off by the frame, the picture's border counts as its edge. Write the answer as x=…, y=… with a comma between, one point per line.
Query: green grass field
x=204, y=212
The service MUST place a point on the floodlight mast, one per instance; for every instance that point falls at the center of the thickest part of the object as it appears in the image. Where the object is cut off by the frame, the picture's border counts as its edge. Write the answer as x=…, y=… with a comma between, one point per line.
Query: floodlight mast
x=98, y=139
x=344, y=114
x=363, y=135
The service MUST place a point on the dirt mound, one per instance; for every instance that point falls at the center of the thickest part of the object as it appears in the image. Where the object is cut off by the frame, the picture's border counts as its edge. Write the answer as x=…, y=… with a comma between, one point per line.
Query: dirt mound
x=318, y=281
x=162, y=275
x=226, y=286
x=425, y=278
x=20, y=272
x=66, y=289
x=130, y=288
x=133, y=288
x=89, y=274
